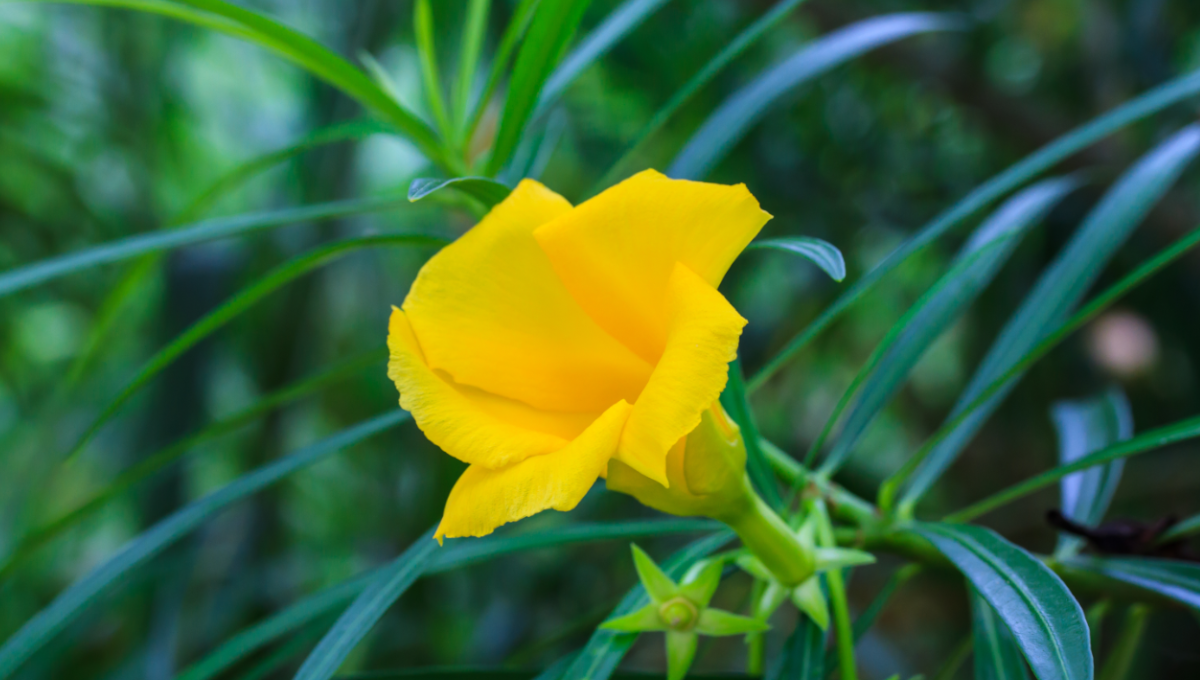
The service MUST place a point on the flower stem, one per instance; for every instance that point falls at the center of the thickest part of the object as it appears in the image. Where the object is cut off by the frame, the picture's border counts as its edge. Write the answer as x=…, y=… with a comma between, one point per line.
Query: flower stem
x=837, y=596
x=766, y=535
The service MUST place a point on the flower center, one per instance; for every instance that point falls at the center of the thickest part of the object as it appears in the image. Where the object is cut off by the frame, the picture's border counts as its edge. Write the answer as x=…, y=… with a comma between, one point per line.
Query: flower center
x=678, y=613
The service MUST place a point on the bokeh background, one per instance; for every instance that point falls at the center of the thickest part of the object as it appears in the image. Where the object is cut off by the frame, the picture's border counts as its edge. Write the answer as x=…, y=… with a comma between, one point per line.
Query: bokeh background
x=114, y=122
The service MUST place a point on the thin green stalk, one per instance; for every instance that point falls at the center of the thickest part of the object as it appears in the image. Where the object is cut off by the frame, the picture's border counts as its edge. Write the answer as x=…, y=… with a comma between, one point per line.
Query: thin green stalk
x=423, y=27
x=474, y=31
x=1121, y=660
x=956, y=660
x=843, y=625
x=891, y=486
x=684, y=94
x=517, y=26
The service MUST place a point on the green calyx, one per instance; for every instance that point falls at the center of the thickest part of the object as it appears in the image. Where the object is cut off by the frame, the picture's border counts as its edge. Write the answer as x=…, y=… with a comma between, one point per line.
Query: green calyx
x=681, y=611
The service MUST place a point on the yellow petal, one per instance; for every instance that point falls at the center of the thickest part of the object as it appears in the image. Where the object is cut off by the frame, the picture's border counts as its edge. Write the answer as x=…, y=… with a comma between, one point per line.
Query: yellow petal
x=702, y=338
x=469, y=424
x=490, y=312
x=616, y=252
x=484, y=499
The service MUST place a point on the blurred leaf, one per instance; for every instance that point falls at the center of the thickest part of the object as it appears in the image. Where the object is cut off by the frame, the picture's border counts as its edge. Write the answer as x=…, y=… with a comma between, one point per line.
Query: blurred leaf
x=554, y=22
x=1032, y=165
x=489, y=192
x=866, y=620
x=208, y=230
x=1184, y=529
x=384, y=588
x=427, y=52
x=1149, y=441
x=1113, y=293
x=733, y=399
x=624, y=19
x=997, y=656
x=1085, y=427
x=69, y=604
x=457, y=554
x=803, y=656
x=1174, y=579
x=606, y=648
x=473, y=35
x=155, y=462
x=939, y=308
x=1032, y=601
x=240, y=302
x=730, y=122
x=517, y=25
x=683, y=95
x=1060, y=289
x=822, y=253
x=1121, y=660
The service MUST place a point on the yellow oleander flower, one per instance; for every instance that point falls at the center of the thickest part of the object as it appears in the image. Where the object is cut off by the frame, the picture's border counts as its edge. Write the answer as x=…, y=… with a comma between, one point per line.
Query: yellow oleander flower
x=550, y=340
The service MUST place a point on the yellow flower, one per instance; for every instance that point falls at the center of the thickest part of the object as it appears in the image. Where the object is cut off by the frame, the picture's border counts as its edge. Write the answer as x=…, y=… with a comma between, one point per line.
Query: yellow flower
x=550, y=340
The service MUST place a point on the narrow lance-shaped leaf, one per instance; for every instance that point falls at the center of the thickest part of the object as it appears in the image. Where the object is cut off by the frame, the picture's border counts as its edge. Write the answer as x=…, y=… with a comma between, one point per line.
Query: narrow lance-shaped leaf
x=554, y=22
x=606, y=648
x=803, y=656
x=1044, y=618
x=997, y=656
x=730, y=122
x=65, y=608
x=1085, y=427
x=1174, y=579
x=938, y=309
x=734, y=401
x=209, y=230
x=1061, y=288
x=387, y=585
x=821, y=253
x=1027, y=168
x=489, y=192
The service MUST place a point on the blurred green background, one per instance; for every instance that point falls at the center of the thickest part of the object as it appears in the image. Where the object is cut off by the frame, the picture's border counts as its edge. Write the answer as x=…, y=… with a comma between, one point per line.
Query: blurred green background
x=114, y=122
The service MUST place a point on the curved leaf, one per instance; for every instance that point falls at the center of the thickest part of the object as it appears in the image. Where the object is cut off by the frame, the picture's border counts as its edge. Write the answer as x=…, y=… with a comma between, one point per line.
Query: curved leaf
x=606, y=648
x=1032, y=165
x=939, y=308
x=489, y=192
x=1060, y=289
x=1044, y=618
x=1175, y=579
x=1184, y=529
x=387, y=585
x=822, y=253
x=730, y=122
x=159, y=241
x=554, y=22
x=1085, y=427
x=997, y=656
x=47, y=623
x=243, y=300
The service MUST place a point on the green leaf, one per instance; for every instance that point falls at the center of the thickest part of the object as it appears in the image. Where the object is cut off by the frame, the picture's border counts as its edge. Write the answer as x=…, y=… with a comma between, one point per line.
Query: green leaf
x=1061, y=288
x=427, y=52
x=623, y=20
x=1149, y=441
x=474, y=32
x=159, y=241
x=1121, y=661
x=155, y=462
x=866, y=620
x=1032, y=165
x=803, y=656
x=660, y=586
x=489, y=192
x=1085, y=427
x=718, y=623
x=243, y=300
x=456, y=555
x=938, y=309
x=735, y=402
x=1135, y=278
x=734, y=118
x=1032, y=601
x=388, y=584
x=1184, y=529
x=517, y=25
x=822, y=253
x=69, y=604
x=554, y=22
x=605, y=649
x=683, y=95
x=997, y=656
x=1174, y=579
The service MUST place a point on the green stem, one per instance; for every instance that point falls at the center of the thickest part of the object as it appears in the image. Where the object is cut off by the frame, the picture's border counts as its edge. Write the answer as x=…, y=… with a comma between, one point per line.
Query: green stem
x=766, y=535
x=842, y=624
x=1120, y=662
